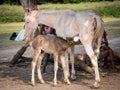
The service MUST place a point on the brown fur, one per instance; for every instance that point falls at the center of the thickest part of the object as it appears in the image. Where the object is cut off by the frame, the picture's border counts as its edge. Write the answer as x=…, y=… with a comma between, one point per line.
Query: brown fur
x=52, y=45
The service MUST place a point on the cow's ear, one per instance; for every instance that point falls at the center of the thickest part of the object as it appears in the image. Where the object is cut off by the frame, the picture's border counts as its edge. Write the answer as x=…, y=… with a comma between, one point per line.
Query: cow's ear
x=28, y=5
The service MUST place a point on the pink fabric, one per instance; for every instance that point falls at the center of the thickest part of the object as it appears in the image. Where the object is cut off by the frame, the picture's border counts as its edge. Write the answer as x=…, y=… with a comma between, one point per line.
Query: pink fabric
x=47, y=29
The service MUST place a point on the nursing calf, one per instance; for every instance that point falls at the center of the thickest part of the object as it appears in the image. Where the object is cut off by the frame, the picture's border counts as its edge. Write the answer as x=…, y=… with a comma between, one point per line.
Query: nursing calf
x=53, y=45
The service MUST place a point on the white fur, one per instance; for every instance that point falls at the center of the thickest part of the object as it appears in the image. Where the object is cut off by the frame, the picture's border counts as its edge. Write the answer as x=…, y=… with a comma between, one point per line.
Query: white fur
x=68, y=23
x=76, y=38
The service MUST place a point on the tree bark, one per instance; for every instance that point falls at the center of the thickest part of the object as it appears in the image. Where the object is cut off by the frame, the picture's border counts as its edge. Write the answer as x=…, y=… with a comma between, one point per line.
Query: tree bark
x=19, y=54
x=28, y=5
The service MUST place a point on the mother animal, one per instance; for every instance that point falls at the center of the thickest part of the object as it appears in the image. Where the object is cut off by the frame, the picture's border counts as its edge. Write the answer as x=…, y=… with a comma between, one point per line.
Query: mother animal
x=67, y=23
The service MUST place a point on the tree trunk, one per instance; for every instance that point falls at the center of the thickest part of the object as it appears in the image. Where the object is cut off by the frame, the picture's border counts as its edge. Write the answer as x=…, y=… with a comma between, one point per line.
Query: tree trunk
x=19, y=54
x=28, y=5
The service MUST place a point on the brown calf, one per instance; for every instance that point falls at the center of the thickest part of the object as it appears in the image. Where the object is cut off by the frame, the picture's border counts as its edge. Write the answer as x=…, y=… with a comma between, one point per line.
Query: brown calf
x=52, y=45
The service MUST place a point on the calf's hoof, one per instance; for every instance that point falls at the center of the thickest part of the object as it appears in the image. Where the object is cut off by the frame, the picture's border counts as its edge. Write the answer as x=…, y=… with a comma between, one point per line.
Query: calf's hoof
x=43, y=82
x=55, y=84
x=95, y=85
x=33, y=83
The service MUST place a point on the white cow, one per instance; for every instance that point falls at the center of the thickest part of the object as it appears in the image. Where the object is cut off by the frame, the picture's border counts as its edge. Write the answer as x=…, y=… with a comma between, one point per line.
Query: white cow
x=67, y=23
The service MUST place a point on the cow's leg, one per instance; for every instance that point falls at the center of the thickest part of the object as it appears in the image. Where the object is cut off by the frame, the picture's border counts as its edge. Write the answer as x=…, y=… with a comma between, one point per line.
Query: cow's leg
x=67, y=62
x=72, y=63
x=39, y=68
x=55, y=68
x=94, y=62
x=64, y=69
x=33, y=64
x=97, y=46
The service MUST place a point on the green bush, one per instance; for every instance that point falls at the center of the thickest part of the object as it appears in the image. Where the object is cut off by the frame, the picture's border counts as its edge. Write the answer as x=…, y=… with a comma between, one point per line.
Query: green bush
x=109, y=11
x=14, y=13
x=78, y=1
x=11, y=13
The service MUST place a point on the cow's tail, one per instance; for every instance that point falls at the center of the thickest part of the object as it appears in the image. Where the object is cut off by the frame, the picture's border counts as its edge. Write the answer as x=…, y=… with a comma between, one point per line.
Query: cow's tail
x=98, y=30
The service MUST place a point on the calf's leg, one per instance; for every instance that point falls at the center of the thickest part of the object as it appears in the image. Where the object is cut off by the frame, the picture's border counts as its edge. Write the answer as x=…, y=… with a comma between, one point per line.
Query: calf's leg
x=55, y=68
x=65, y=70
x=33, y=64
x=39, y=68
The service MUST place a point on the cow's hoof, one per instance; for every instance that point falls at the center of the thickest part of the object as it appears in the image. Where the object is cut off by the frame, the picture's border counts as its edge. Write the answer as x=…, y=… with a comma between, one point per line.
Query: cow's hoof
x=73, y=77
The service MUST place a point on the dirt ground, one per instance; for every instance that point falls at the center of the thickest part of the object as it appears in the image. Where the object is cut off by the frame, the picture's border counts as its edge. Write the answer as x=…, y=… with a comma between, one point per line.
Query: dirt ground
x=18, y=77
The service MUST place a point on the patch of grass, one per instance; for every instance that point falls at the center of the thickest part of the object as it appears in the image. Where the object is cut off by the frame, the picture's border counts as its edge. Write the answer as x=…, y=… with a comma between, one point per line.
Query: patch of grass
x=105, y=9
x=109, y=11
x=11, y=13
x=5, y=32
x=113, y=28
x=14, y=13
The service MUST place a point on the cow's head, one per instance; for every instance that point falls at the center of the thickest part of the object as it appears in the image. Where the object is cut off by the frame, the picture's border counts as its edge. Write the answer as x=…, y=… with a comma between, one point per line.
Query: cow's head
x=30, y=26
